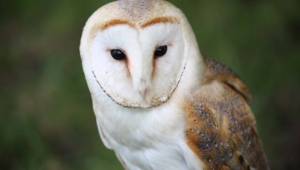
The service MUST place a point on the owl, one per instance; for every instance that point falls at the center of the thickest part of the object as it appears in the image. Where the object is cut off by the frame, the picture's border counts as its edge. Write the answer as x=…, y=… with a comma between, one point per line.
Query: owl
x=159, y=103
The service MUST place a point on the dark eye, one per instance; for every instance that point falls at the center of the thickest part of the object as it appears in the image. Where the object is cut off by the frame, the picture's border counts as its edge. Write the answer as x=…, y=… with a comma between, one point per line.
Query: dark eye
x=117, y=54
x=160, y=51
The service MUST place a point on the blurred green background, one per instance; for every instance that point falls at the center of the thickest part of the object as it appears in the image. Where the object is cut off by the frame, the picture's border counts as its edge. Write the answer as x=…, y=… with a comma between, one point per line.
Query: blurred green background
x=46, y=115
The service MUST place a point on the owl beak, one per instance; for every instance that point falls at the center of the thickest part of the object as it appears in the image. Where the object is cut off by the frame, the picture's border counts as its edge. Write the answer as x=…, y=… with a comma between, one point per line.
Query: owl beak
x=143, y=93
x=141, y=74
x=143, y=88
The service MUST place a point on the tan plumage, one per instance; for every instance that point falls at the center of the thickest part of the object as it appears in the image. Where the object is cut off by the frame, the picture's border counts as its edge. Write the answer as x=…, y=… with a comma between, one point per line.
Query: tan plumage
x=221, y=127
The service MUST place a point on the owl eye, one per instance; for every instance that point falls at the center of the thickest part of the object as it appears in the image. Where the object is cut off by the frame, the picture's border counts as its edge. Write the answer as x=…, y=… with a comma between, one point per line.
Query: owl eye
x=117, y=54
x=160, y=51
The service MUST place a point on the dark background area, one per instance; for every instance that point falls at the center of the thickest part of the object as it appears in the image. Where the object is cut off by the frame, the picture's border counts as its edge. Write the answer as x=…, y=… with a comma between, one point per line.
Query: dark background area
x=46, y=115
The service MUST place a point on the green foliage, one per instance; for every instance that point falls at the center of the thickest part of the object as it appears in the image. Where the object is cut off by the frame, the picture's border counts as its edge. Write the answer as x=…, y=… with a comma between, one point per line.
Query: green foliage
x=47, y=121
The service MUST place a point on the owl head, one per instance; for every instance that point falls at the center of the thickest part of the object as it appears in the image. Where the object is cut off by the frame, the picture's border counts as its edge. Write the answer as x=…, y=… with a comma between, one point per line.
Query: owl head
x=136, y=51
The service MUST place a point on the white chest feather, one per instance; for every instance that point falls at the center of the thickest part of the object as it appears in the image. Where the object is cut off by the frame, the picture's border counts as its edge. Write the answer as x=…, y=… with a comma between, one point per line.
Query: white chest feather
x=141, y=140
x=145, y=138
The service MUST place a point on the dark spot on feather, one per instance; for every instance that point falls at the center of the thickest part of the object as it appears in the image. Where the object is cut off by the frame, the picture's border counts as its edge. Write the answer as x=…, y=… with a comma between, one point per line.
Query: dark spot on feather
x=241, y=159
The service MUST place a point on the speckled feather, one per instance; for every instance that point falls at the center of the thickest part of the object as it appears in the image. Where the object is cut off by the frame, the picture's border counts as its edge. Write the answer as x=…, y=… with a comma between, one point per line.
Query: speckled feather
x=136, y=9
x=220, y=124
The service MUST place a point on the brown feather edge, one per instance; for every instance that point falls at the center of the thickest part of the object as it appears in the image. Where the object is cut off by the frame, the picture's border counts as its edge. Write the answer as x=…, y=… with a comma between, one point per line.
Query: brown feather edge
x=219, y=71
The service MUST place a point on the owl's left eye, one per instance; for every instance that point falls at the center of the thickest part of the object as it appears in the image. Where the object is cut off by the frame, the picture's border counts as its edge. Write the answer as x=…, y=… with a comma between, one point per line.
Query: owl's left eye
x=117, y=54
x=161, y=51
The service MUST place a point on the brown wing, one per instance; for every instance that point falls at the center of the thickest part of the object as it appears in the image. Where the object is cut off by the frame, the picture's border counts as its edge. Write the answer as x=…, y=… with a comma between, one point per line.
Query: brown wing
x=220, y=125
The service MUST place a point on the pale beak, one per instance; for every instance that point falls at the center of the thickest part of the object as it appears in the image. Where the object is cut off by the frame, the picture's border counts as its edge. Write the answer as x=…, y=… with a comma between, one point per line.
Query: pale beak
x=143, y=93
x=143, y=88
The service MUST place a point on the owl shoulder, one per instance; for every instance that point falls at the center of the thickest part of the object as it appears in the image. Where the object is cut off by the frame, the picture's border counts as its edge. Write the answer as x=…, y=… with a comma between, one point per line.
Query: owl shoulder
x=219, y=72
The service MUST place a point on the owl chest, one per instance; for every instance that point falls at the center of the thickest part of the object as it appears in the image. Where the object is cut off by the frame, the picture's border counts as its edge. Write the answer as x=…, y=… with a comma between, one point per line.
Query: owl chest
x=150, y=139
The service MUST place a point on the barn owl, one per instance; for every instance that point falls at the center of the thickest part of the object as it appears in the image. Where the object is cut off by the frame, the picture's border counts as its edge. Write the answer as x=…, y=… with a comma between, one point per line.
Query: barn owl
x=159, y=103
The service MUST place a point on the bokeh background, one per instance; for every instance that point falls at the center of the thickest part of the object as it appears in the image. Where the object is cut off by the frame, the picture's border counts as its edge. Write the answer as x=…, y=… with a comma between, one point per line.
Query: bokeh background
x=46, y=116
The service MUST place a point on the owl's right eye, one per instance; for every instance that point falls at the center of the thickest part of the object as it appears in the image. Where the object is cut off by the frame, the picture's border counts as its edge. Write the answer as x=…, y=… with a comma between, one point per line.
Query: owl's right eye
x=161, y=51
x=117, y=54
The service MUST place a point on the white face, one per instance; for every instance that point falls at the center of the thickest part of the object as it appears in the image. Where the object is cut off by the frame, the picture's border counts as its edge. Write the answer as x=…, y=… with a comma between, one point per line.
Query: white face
x=138, y=67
